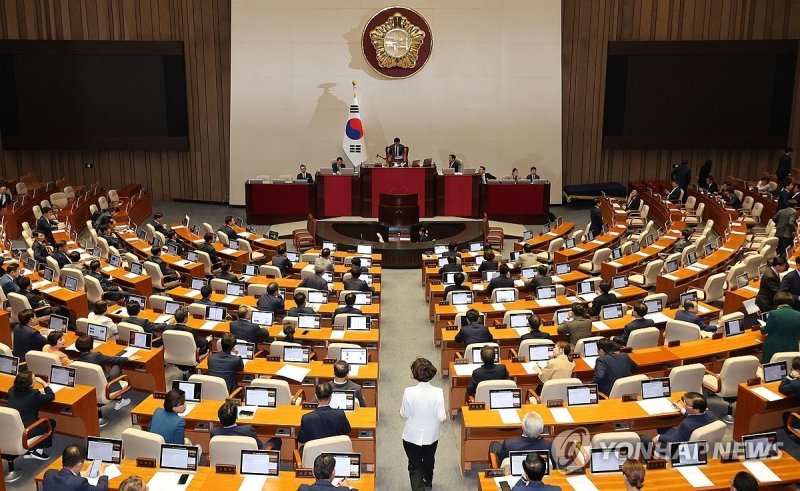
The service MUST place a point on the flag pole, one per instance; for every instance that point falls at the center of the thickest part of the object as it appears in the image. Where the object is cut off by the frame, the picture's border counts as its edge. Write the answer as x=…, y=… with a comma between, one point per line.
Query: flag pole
x=354, y=88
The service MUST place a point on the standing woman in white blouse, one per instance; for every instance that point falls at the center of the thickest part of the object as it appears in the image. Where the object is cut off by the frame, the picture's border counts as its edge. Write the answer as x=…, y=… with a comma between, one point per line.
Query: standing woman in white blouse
x=423, y=410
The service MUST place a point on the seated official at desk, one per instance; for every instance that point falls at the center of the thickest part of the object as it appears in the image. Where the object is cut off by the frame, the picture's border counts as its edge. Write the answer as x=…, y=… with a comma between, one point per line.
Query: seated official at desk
x=689, y=314
x=205, y=296
x=325, y=259
x=300, y=305
x=502, y=281
x=55, y=345
x=674, y=194
x=638, y=322
x=452, y=250
x=172, y=240
x=611, y=366
x=458, y=286
x=533, y=175
x=685, y=241
x=604, y=298
x=452, y=266
x=40, y=248
x=397, y=154
x=224, y=363
x=337, y=165
x=180, y=316
x=349, y=301
x=133, y=483
x=242, y=328
x=790, y=385
x=304, y=176
x=485, y=177
x=694, y=407
x=9, y=280
x=489, y=262
x=47, y=223
x=288, y=335
x=60, y=253
x=744, y=481
x=770, y=283
x=228, y=413
x=133, y=309
x=527, y=258
x=271, y=301
x=111, y=291
x=542, y=278
x=514, y=175
x=155, y=257
x=5, y=197
x=159, y=224
x=98, y=316
x=341, y=370
x=72, y=477
x=224, y=273
x=324, y=467
x=324, y=421
x=26, y=335
x=534, y=323
x=634, y=202
x=84, y=344
x=28, y=400
x=560, y=365
x=354, y=282
x=356, y=261
x=227, y=229
x=473, y=332
x=532, y=427
x=315, y=281
x=533, y=471
x=167, y=422
x=208, y=247
x=488, y=371
x=454, y=163
x=577, y=326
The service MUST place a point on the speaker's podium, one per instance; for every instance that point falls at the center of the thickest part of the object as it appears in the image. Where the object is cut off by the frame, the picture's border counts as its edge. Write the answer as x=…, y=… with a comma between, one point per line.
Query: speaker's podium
x=398, y=209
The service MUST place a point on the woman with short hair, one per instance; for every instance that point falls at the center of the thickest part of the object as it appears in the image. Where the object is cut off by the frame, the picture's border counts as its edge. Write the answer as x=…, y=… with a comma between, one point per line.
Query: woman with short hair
x=167, y=422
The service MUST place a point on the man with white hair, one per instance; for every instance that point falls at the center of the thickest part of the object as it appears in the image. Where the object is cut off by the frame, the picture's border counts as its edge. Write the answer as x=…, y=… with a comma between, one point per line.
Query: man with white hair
x=532, y=426
x=316, y=281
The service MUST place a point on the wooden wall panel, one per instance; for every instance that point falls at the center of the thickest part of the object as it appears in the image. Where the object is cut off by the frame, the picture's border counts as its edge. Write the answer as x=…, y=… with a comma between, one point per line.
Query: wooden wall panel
x=588, y=26
x=202, y=172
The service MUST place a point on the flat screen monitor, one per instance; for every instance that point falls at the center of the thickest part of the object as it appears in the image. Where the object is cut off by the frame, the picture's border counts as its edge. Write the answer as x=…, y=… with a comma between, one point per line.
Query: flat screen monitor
x=654, y=305
x=616, y=253
x=58, y=323
x=136, y=268
x=613, y=311
x=9, y=365
x=691, y=258
x=760, y=445
x=503, y=295
x=179, y=457
x=733, y=327
x=634, y=248
x=343, y=399
x=363, y=298
x=170, y=307
x=560, y=316
x=527, y=234
x=563, y=268
x=692, y=295
x=192, y=256
x=296, y=354
x=192, y=391
x=245, y=350
x=250, y=270
x=140, y=299
x=545, y=292
x=273, y=235
x=71, y=283
x=528, y=273
x=774, y=371
x=364, y=249
x=260, y=396
x=358, y=323
x=656, y=388
x=741, y=280
x=233, y=245
x=260, y=463
x=489, y=275
x=618, y=282
x=584, y=287
x=461, y=298
x=98, y=332
x=545, y=228
x=107, y=450
x=589, y=236
x=517, y=457
x=569, y=243
x=317, y=297
x=308, y=321
x=172, y=249
x=354, y=356
x=518, y=320
x=475, y=246
x=505, y=398
x=48, y=273
x=262, y=318
x=234, y=289
x=540, y=352
x=62, y=376
x=684, y=454
x=442, y=261
x=582, y=395
x=214, y=313
x=156, y=242
x=348, y=466
x=142, y=340
x=115, y=260
x=198, y=283
x=476, y=354
x=440, y=249
x=31, y=264
x=513, y=255
x=293, y=257
x=608, y=460
x=590, y=349
x=672, y=266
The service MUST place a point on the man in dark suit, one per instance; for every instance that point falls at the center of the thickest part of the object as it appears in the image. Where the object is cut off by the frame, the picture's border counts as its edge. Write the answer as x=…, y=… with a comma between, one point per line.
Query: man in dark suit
x=785, y=194
x=60, y=254
x=730, y=197
x=450, y=267
x=112, y=239
x=454, y=163
x=9, y=280
x=397, y=154
x=784, y=164
x=532, y=427
x=459, y=286
x=349, y=301
x=337, y=165
x=790, y=385
x=638, y=322
x=533, y=176
x=172, y=240
x=542, y=278
x=300, y=305
x=356, y=261
x=159, y=224
x=785, y=224
x=228, y=413
x=281, y=261
x=47, y=223
x=711, y=186
x=155, y=257
x=106, y=217
x=271, y=301
x=133, y=309
x=577, y=326
x=225, y=364
x=315, y=281
x=694, y=407
x=205, y=296
x=488, y=371
x=674, y=194
x=534, y=324
x=689, y=314
x=26, y=336
x=39, y=247
x=324, y=421
x=489, y=262
x=604, y=298
x=5, y=197
x=485, y=176
x=682, y=175
x=242, y=328
x=208, y=247
x=110, y=290
x=473, y=332
x=354, y=282
x=180, y=316
x=224, y=273
x=634, y=201
x=305, y=176
x=596, y=218
x=791, y=283
x=770, y=283
x=84, y=344
x=71, y=477
x=610, y=366
x=324, y=465
x=228, y=230
x=502, y=281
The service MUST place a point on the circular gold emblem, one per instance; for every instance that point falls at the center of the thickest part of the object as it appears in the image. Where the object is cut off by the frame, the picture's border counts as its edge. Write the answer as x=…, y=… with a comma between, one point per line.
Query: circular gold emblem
x=397, y=42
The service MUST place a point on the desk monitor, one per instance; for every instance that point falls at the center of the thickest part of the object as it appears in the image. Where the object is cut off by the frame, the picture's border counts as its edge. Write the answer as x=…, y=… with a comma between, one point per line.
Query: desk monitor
x=282, y=292
x=262, y=318
x=296, y=354
x=172, y=249
x=192, y=256
x=107, y=450
x=272, y=235
x=518, y=320
x=584, y=287
x=62, y=376
x=517, y=457
x=476, y=354
x=528, y=273
x=96, y=252
x=764, y=317
x=170, y=307
x=71, y=283
x=671, y=266
x=634, y=247
x=741, y=280
x=560, y=316
x=654, y=305
x=503, y=295
x=343, y=399
x=179, y=457
x=48, y=273
x=260, y=396
x=140, y=299
x=260, y=463
x=185, y=221
x=364, y=249
x=363, y=298
x=590, y=349
x=608, y=460
x=589, y=236
x=684, y=454
x=569, y=243
x=618, y=282
x=648, y=241
x=308, y=321
x=31, y=264
x=604, y=229
x=656, y=388
x=58, y=323
x=545, y=228
x=613, y=311
x=750, y=306
x=250, y=270
x=367, y=277
x=245, y=350
x=563, y=268
x=9, y=365
x=366, y=261
x=316, y=296
x=143, y=234
x=692, y=295
x=505, y=398
x=545, y=292
x=442, y=261
x=582, y=395
x=98, y=332
x=233, y=245
x=143, y=340
x=691, y=258
x=540, y=352
x=440, y=249
x=156, y=242
x=348, y=465
x=513, y=255
x=559, y=221
x=708, y=250
x=481, y=320
x=214, y=313
x=449, y=278
x=196, y=229
x=760, y=445
x=198, y=283
x=475, y=246
x=191, y=390
x=733, y=328
x=329, y=245
x=489, y=275
x=358, y=323
x=137, y=268
x=616, y=253
x=115, y=260
x=354, y=356
x=479, y=260
x=774, y=371
x=234, y=289
x=527, y=235
x=461, y=298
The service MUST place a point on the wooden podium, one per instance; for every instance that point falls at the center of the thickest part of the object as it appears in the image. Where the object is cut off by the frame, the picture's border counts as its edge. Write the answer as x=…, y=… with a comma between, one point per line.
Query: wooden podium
x=398, y=209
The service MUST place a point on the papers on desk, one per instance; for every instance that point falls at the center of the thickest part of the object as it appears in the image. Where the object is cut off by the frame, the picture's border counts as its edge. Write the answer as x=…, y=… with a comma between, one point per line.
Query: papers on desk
x=702, y=310
x=671, y=277
x=245, y=234
x=227, y=251
x=39, y=284
x=293, y=372
x=162, y=318
x=588, y=297
x=642, y=254
x=57, y=387
x=168, y=481
x=658, y=317
x=750, y=288
x=111, y=471
x=131, y=239
x=767, y=394
x=657, y=247
x=146, y=249
x=597, y=242
x=530, y=367
x=726, y=249
x=519, y=283
x=591, y=360
x=461, y=309
x=556, y=279
x=337, y=335
x=499, y=307
x=189, y=407
x=548, y=302
x=521, y=331
x=615, y=234
x=51, y=289
x=509, y=416
x=600, y=326
x=131, y=276
x=464, y=370
x=129, y=351
x=473, y=254
x=561, y=415
x=183, y=262
x=661, y=405
x=109, y=269
x=193, y=293
x=581, y=483
x=695, y=477
x=478, y=287
x=760, y=471
x=552, y=234
x=253, y=483
x=510, y=480
x=229, y=299
x=614, y=264
x=353, y=371
x=208, y=325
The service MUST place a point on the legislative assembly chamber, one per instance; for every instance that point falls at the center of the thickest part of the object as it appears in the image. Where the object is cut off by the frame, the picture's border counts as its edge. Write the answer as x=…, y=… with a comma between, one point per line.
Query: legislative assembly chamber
x=259, y=245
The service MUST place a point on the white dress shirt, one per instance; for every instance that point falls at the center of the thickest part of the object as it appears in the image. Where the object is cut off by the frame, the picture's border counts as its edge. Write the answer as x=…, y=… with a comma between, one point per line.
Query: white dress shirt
x=104, y=321
x=423, y=410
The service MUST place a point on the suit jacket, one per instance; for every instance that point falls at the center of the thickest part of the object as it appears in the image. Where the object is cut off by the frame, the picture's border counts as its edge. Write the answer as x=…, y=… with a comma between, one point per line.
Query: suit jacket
x=323, y=485
x=534, y=486
x=237, y=430
x=783, y=196
x=28, y=402
x=321, y=423
x=112, y=241
x=227, y=276
x=577, y=329
x=532, y=177
x=247, y=331
x=168, y=425
x=684, y=430
x=270, y=303
x=314, y=281
x=299, y=310
x=100, y=359
x=40, y=252
x=526, y=260
x=283, y=263
x=27, y=339
x=784, y=166
x=782, y=330
x=103, y=219
x=106, y=285
x=229, y=231
x=492, y=265
x=5, y=200
x=686, y=316
x=337, y=167
x=559, y=367
x=610, y=367
x=456, y=288
x=601, y=301
x=791, y=283
x=450, y=268
x=357, y=284
x=712, y=188
x=306, y=176
x=151, y=327
x=596, y=219
x=456, y=165
x=535, y=335
x=209, y=249
x=632, y=326
x=785, y=221
x=790, y=387
x=682, y=174
x=522, y=444
x=8, y=284
x=674, y=194
x=162, y=228
x=734, y=201
x=65, y=480
x=346, y=309
x=538, y=281
x=162, y=265
x=634, y=204
x=769, y=286
x=487, y=177
x=397, y=152
x=46, y=226
x=350, y=385
x=474, y=333
x=61, y=259
x=499, y=282
x=495, y=371
x=226, y=366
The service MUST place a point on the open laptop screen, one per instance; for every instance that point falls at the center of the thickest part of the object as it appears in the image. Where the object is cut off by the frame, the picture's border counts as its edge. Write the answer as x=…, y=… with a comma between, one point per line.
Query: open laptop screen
x=608, y=460
x=655, y=388
x=505, y=399
x=343, y=399
x=262, y=318
x=358, y=323
x=354, y=356
x=9, y=364
x=760, y=445
x=260, y=396
x=774, y=371
x=191, y=390
x=348, y=465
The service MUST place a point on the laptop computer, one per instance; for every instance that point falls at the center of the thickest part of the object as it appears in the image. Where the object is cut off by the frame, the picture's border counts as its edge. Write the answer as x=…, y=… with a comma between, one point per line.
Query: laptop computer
x=656, y=388
x=517, y=457
x=9, y=365
x=260, y=463
x=108, y=450
x=358, y=323
x=296, y=354
x=62, y=376
x=179, y=457
x=476, y=354
x=774, y=371
x=608, y=460
x=348, y=465
x=58, y=323
x=760, y=445
x=198, y=283
x=308, y=321
x=262, y=318
x=505, y=398
x=214, y=313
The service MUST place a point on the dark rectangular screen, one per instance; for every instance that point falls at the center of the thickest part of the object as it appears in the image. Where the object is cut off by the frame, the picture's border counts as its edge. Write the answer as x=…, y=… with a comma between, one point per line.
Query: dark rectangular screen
x=712, y=94
x=92, y=95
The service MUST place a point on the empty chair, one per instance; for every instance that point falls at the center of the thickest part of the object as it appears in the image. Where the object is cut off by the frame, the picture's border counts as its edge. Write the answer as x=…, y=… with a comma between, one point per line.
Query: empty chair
x=14, y=439
x=647, y=337
x=102, y=202
x=649, y=229
x=22, y=189
x=105, y=391
x=735, y=370
x=138, y=443
x=687, y=378
x=313, y=448
x=754, y=216
x=694, y=218
x=157, y=278
x=618, y=439
x=59, y=200
x=113, y=196
x=213, y=388
x=158, y=302
x=69, y=191
x=270, y=271
x=40, y=362
x=223, y=238
x=255, y=256
x=256, y=290
x=224, y=449
x=686, y=251
x=204, y=259
x=557, y=389
x=18, y=303
x=180, y=349
x=207, y=228
x=712, y=433
x=638, y=219
x=600, y=256
x=283, y=393
x=681, y=331
x=5, y=349
x=714, y=289
x=648, y=278
x=554, y=246
x=494, y=236
x=94, y=291
x=627, y=385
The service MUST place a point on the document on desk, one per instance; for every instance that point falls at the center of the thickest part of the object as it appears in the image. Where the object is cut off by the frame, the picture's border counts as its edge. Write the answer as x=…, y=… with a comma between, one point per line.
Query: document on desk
x=521, y=331
x=760, y=471
x=695, y=477
x=51, y=289
x=657, y=247
x=509, y=416
x=461, y=309
x=661, y=405
x=614, y=264
x=130, y=276
x=293, y=372
x=478, y=287
x=519, y=283
x=548, y=302
x=556, y=279
x=253, y=483
x=229, y=299
x=109, y=269
x=597, y=242
x=581, y=483
x=162, y=318
x=245, y=234
x=208, y=325
x=750, y=289
x=337, y=335
x=39, y=284
x=671, y=277
x=561, y=415
x=57, y=387
x=499, y=307
x=193, y=293
x=702, y=310
x=510, y=480
x=168, y=481
x=600, y=326
x=642, y=254
x=530, y=367
x=189, y=407
x=767, y=394
x=227, y=251
x=464, y=370
x=111, y=471
x=658, y=317
x=129, y=351
x=353, y=371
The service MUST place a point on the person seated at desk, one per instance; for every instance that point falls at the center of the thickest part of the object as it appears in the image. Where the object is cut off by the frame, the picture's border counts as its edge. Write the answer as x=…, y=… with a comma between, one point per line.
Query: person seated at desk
x=98, y=316
x=473, y=332
x=542, y=278
x=341, y=370
x=40, y=305
x=451, y=267
x=180, y=317
x=172, y=240
x=674, y=194
x=288, y=335
x=228, y=413
x=26, y=335
x=300, y=305
x=452, y=250
x=349, y=301
x=502, y=281
x=169, y=275
x=611, y=366
x=225, y=364
x=711, y=186
x=105, y=217
x=488, y=371
x=356, y=261
x=638, y=322
x=485, y=176
x=324, y=467
x=304, y=176
x=337, y=165
x=166, y=420
x=323, y=421
x=47, y=224
x=40, y=248
x=458, y=286
x=604, y=298
x=281, y=261
x=731, y=199
x=533, y=471
x=744, y=481
x=790, y=384
x=133, y=309
x=224, y=273
x=315, y=281
x=532, y=427
x=325, y=260
x=5, y=197
x=27, y=400
x=133, y=483
x=454, y=163
x=527, y=258
x=159, y=224
x=208, y=247
x=55, y=345
x=60, y=253
x=789, y=283
x=228, y=230
x=8, y=282
x=633, y=473
x=110, y=290
x=242, y=328
x=514, y=175
x=634, y=202
x=72, y=477
x=576, y=326
x=111, y=239
x=762, y=186
x=781, y=328
x=560, y=365
x=694, y=407
x=84, y=344
x=534, y=323
x=271, y=301
x=205, y=296
x=354, y=282
x=689, y=314
x=397, y=154
x=685, y=240
x=534, y=175
x=489, y=262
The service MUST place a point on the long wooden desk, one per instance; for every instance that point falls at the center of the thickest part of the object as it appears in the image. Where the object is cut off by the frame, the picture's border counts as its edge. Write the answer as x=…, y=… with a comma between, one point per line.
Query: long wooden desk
x=541, y=241
x=235, y=257
x=142, y=249
x=755, y=414
x=145, y=374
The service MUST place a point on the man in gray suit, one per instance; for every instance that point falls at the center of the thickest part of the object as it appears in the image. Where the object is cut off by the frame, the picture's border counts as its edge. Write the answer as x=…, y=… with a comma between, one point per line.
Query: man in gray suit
x=785, y=224
x=316, y=281
x=225, y=364
x=577, y=325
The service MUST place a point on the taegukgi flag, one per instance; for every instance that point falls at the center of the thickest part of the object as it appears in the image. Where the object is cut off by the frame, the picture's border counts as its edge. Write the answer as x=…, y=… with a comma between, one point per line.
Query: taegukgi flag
x=353, y=142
